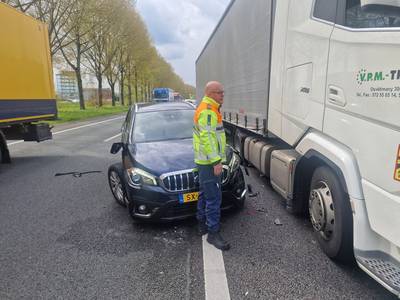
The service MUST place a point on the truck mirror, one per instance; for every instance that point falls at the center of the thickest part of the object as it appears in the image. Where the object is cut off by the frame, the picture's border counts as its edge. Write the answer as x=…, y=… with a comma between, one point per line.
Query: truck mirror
x=115, y=148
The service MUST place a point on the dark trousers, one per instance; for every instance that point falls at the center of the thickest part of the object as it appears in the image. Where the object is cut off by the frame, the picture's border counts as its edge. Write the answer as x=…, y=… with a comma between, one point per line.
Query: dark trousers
x=209, y=205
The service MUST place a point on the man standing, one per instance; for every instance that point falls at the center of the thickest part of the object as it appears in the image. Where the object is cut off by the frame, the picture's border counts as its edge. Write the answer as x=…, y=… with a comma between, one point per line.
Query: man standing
x=209, y=152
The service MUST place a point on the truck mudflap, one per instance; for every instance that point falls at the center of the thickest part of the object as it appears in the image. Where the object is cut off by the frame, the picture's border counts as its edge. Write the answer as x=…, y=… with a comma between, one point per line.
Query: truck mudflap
x=38, y=132
x=382, y=267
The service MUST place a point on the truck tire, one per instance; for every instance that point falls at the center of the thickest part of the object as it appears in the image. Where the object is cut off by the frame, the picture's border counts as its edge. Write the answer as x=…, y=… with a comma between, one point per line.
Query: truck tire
x=4, y=153
x=331, y=215
x=117, y=184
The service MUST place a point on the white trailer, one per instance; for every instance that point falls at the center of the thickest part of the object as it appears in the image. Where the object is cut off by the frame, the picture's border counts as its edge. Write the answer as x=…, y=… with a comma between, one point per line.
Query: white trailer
x=312, y=100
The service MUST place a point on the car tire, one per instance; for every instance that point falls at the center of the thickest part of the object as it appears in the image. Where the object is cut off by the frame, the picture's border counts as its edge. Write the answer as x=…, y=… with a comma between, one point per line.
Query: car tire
x=331, y=215
x=239, y=205
x=117, y=184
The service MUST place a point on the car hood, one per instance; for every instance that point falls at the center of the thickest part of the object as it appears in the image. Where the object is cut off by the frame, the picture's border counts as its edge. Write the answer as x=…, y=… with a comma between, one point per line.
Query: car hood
x=165, y=156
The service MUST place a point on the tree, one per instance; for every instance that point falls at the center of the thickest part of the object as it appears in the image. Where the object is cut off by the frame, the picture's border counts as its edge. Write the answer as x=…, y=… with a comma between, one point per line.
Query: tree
x=77, y=40
x=23, y=5
x=109, y=39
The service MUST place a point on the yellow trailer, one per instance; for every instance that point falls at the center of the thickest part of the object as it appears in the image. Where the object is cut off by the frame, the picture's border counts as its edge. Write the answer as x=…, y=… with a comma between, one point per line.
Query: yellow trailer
x=26, y=79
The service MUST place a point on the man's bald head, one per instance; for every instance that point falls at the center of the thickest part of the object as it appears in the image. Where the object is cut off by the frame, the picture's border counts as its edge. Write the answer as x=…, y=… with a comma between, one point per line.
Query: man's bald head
x=215, y=90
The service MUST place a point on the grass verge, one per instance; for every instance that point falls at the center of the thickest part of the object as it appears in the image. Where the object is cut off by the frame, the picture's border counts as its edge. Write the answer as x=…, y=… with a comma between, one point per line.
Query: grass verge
x=68, y=112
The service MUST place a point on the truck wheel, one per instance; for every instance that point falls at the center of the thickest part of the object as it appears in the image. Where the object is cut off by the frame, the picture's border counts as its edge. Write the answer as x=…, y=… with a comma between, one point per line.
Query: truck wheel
x=331, y=216
x=117, y=184
x=4, y=153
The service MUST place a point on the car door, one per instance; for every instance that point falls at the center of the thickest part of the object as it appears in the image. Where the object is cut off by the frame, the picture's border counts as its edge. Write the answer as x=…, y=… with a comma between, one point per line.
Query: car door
x=363, y=102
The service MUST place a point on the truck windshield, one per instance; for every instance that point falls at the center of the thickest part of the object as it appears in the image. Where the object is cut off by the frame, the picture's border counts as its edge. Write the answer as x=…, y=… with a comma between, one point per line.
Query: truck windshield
x=373, y=13
x=161, y=94
x=163, y=125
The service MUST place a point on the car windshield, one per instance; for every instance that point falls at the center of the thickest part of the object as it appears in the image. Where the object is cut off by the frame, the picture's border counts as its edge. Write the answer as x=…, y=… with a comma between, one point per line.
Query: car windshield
x=163, y=125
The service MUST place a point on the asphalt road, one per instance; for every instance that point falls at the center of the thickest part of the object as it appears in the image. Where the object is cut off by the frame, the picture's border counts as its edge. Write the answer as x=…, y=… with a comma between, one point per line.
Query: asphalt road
x=66, y=238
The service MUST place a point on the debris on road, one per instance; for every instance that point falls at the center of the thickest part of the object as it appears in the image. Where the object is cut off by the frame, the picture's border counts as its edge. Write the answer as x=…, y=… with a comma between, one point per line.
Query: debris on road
x=76, y=174
x=278, y=222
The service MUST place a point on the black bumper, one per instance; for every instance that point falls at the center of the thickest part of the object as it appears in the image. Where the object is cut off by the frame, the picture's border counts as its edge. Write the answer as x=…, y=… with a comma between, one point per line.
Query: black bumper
x=162, y=205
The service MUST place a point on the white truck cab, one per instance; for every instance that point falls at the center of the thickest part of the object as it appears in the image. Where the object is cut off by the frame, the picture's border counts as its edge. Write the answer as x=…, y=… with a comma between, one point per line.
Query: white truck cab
x=312, y=99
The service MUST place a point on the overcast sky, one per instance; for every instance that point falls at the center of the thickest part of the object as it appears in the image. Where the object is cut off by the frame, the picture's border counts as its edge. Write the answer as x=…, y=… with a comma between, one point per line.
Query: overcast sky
x=180, y=28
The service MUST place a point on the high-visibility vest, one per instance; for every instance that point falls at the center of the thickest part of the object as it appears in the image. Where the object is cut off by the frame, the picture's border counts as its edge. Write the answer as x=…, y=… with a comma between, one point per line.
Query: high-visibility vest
x=209, y=139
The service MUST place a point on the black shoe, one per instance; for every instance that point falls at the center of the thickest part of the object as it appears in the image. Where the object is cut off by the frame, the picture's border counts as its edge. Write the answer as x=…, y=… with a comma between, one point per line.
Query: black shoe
x=215, y=238
x=201, y=229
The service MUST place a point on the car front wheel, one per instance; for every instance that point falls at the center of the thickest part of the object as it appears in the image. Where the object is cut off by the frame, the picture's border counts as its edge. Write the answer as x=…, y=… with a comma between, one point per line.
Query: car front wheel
x=117, y=184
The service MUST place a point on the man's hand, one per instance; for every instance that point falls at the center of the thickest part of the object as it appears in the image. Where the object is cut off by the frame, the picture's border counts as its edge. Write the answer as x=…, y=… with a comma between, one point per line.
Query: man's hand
x=218, y=169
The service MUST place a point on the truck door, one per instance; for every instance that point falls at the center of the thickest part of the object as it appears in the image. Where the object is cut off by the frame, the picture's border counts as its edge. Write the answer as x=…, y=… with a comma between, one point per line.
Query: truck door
x=363, y=103
x=310, y=25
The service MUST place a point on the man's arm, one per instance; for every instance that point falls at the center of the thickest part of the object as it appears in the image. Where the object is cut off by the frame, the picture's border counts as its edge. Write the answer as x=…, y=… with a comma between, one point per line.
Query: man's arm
x=208, y=139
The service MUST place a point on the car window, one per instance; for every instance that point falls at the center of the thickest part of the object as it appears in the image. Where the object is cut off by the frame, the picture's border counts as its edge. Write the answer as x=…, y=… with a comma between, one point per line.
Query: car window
x=372, y=13
x=163, y=125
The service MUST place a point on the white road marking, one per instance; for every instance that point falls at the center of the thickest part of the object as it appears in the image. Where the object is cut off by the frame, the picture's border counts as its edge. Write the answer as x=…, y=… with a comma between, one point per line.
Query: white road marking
x=87, y=125
x=74, y=128
x=216, y=284
x=13, y=143
x=113, y=137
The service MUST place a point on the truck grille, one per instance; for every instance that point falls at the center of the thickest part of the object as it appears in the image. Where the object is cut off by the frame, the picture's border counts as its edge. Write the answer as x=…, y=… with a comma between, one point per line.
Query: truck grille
x=180, y=181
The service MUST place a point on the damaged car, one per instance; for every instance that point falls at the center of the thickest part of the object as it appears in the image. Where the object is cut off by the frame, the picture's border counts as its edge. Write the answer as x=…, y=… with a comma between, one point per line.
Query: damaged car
x=157, y=177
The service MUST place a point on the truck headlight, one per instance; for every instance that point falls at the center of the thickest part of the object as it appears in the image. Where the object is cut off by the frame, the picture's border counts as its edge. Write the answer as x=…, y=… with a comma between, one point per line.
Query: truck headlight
x=137, y=177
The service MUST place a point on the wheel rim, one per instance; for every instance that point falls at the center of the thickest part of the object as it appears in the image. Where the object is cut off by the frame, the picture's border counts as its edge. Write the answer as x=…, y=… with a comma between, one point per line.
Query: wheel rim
x=322, y=210
x=116, y=187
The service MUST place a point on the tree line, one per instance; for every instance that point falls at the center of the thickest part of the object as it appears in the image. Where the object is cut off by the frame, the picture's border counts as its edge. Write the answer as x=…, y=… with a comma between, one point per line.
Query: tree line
x=109, y=40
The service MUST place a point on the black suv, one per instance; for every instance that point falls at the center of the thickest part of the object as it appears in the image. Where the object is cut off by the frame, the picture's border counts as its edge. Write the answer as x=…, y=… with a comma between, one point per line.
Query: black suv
x=157, y=178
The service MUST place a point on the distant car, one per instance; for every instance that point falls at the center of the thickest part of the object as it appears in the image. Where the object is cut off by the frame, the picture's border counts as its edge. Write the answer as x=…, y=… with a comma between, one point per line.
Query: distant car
x=157, y=178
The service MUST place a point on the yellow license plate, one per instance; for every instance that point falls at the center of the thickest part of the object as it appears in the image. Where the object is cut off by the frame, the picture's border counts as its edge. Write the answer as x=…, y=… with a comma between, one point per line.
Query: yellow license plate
x=189, y=197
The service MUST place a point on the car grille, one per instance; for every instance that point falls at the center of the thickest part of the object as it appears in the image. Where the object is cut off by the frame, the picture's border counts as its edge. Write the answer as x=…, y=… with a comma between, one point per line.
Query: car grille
x=180, y=181
x=186, y=180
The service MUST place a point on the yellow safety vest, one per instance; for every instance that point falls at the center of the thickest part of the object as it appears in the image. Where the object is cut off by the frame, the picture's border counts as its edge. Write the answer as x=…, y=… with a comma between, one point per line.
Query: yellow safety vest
x=209, y=139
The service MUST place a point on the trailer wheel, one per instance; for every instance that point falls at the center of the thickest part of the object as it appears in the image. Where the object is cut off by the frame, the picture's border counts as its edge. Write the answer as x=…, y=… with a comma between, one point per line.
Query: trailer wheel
x=117, y=184
x=4, y=153
x=331, y=216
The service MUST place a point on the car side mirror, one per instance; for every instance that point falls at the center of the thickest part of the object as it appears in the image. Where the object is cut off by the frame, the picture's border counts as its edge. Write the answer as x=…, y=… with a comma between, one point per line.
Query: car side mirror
x=115, y=148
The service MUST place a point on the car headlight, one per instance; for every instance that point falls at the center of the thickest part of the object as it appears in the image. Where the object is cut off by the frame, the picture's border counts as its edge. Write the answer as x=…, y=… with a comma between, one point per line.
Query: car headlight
x=234, y=163
x=137, y=177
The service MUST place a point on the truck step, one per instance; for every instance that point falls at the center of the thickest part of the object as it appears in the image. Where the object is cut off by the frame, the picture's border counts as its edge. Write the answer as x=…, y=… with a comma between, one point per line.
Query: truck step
x=382, y=267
